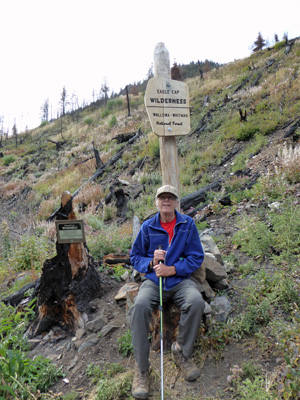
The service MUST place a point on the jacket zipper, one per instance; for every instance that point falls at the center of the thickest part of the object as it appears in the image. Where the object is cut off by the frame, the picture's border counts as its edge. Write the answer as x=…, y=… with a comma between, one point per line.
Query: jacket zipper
x=164, y=280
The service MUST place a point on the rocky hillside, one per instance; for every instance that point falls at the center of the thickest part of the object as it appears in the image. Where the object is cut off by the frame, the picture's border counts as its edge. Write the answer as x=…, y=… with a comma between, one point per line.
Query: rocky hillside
x=240, y=180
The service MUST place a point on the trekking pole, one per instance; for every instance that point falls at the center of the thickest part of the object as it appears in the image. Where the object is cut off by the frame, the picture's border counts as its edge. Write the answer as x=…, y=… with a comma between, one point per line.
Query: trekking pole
x=161, y=333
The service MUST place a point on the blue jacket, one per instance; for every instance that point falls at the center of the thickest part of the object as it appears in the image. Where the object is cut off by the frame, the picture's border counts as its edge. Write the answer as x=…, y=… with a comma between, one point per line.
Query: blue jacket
x=185, y=251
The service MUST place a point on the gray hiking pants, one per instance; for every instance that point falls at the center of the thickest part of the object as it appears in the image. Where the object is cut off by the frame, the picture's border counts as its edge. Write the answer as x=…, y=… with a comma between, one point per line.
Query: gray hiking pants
x=186, y=296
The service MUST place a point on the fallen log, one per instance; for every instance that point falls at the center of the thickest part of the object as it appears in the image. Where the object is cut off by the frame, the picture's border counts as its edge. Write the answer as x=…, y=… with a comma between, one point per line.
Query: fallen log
x=226, y=158
x=57, y=144
x=202, y=124
x=193, y=199
x=124, y=137
x=293, y=128
x=17, y=297
x=138, y=166
x=243, y=83
x=112, y=259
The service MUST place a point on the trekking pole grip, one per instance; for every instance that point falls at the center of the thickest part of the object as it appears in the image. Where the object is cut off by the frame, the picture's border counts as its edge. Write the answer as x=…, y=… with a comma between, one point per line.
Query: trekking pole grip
x=160, y=247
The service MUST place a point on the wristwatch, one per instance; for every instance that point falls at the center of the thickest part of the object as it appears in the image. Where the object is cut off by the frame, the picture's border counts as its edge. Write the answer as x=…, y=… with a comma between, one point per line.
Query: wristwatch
x=150, y=266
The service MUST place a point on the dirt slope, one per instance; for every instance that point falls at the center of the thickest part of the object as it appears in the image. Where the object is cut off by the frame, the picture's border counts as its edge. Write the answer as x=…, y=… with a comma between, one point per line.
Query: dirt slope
x=74, y=355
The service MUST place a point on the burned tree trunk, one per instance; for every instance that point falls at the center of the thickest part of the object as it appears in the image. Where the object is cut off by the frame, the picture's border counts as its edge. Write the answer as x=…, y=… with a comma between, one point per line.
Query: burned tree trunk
x=171, y=316
x=99, y=162
x=68, y=282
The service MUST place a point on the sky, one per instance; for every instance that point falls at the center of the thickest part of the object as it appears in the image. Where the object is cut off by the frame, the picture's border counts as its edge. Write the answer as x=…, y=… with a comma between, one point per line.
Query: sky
x=78, y=44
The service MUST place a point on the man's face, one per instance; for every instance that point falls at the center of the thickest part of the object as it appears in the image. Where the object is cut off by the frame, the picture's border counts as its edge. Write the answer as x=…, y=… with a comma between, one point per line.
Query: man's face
x=166, y=203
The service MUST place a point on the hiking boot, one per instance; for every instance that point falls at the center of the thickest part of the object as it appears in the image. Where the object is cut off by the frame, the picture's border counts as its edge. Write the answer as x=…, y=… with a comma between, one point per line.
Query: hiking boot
x=189, y=369
x=140, y=385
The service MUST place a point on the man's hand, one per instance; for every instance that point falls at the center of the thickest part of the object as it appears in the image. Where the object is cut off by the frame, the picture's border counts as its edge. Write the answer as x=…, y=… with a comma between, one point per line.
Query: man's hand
x=163, y=270
x=159, y=255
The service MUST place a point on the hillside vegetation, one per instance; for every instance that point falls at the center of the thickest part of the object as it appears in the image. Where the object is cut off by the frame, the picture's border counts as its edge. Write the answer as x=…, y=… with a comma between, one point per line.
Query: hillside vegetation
x=257, y=228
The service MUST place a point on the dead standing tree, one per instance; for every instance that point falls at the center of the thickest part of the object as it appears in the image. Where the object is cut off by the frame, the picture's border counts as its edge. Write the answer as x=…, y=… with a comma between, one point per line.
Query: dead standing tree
x=68, y=283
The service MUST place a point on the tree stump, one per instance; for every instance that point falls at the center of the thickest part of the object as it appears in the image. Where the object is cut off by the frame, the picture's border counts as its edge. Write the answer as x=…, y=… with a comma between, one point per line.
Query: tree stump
x=69, y=282
x=171, y=316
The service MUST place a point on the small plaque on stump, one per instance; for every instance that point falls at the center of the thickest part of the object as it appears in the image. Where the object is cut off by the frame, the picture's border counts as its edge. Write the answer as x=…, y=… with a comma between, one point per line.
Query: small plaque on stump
x=70, y=231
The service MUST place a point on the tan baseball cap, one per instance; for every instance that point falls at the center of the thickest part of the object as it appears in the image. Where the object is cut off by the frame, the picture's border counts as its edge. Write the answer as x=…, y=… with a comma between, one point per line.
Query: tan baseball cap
x=167, y=189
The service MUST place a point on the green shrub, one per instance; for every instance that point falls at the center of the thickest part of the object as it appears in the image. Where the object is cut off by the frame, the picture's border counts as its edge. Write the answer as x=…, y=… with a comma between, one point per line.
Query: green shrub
x=246, y=131
x=88, y=121
x=288, y=341
x=12, y=327
x=254, y=236
x=249, y=268
x=153, y=178
x=105, y=113
x=108, y=241
x=250, y=321
x=279, y=45
x=250, y=370
x=119, y=270
x=5, y=244
x=108, y=370
x=269, y=125
x=154, y=150
x=242, y=158
x=21, y=376
x=271, y=186
x=95, y=221
x=125, y=344
x=116, y=388
x=112, y=122
x=254, y=390
x=286, y=227
x=95, y=372
x=114, y=104
x=31, y=252
x=70, y=396
x=7, y=160
x=111, y=385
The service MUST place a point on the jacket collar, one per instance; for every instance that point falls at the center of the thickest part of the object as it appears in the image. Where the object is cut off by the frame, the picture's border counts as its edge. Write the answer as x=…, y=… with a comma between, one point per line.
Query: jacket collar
x=179, y=220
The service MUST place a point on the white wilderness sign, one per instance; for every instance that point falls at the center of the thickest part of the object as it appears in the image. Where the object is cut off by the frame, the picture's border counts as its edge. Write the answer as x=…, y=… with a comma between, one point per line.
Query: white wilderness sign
x=167, y=104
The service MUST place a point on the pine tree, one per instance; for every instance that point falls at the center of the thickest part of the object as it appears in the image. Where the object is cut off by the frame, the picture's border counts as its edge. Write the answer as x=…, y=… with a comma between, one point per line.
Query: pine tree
x=150, y=73
x=259, y=43
x=175, y=72
x=15, y=132
x=63, y=100
x=45, y=110
x=105, y=89
x=207, y=66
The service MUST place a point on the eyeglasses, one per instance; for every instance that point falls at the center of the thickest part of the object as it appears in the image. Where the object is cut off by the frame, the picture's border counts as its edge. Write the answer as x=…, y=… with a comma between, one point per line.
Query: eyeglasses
x=166, y=197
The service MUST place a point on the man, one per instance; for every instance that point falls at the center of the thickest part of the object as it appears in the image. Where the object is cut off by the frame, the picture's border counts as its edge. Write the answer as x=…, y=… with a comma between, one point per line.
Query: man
x=180, y=256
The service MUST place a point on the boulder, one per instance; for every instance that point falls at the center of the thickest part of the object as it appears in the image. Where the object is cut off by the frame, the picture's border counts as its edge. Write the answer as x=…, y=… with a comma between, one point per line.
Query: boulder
x=200, y=274
x=221, y=308
x=97, y=324
x=215, y=272
x=205, y=289
x=220, y=285
x=210, y=246
x=122, y=293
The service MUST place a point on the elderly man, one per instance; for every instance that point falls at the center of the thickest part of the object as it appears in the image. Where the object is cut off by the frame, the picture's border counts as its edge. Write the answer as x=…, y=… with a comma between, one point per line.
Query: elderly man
x=180, y=256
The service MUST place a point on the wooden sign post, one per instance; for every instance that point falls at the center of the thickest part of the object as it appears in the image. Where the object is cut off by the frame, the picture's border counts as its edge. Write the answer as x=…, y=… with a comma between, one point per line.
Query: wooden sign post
x=167, y=104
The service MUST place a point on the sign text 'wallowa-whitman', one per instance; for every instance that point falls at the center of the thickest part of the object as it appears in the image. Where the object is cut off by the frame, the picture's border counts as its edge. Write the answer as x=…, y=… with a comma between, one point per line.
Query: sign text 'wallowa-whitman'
x=167, y=104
